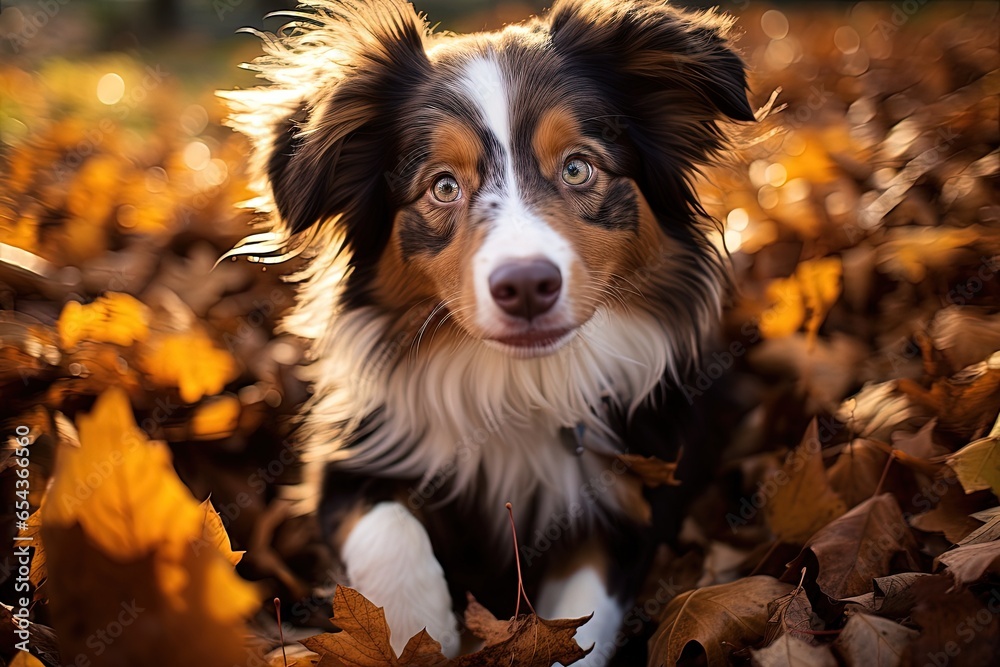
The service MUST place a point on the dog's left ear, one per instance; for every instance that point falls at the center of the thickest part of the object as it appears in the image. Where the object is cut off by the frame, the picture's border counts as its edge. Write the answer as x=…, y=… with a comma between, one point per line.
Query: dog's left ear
x=672, y=75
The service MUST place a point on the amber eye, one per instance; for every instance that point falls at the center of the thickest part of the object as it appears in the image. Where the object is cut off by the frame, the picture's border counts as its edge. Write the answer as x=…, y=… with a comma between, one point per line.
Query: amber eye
x=445, y=189
x=576, y=171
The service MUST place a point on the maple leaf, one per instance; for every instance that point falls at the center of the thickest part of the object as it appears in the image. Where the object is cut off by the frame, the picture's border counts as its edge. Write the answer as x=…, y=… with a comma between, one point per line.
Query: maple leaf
x=891, y=596
x=804, y=502
x=527, y=640
x=117, y=510
x=733, y=614
x=363, y=640
x=858, y=547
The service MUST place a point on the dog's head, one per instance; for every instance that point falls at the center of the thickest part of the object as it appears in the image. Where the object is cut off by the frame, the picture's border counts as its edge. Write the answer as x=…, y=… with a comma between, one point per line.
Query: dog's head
x=519, y=181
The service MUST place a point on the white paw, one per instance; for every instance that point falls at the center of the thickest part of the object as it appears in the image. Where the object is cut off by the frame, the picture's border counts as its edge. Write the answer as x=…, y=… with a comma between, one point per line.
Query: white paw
x=389, y=560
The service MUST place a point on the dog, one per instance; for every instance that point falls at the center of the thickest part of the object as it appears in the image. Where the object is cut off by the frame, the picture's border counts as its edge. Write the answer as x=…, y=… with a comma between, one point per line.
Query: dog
x=508, y=274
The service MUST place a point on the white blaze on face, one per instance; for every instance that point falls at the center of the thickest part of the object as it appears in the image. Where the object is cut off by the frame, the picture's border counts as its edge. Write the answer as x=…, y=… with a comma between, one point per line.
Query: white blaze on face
x=515, y=232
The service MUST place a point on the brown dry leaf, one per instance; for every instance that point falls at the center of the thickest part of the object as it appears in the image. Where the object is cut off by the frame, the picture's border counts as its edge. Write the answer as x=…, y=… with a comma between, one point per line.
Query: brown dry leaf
x=117, y=510
x=920, y=444
x=977, y=465
x=965, y=403
x=789, y=651
x=652, y=471
x=804, y=501
x=363, y=640
x=858, y=547
x=856, y=473
x=988, y=531
x=891, y=596
x=873, y=641
x=734, y=613
x=789, y=614
x=951, y=516
x=527, y=640
x=968, y=563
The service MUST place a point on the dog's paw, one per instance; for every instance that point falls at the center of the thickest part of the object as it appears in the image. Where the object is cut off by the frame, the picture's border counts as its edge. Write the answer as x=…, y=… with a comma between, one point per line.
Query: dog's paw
x=389, y=560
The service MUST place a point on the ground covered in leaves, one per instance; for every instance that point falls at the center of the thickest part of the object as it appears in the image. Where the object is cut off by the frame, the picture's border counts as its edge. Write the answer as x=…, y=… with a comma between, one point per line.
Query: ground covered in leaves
x=855, y=520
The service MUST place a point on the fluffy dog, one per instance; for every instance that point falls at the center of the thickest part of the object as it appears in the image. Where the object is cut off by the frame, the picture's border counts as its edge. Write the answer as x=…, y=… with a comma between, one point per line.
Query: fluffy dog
x=508, y=272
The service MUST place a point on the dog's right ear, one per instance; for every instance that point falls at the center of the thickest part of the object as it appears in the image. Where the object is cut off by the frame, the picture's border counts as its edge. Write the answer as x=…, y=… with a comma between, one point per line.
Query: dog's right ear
x=339, y=77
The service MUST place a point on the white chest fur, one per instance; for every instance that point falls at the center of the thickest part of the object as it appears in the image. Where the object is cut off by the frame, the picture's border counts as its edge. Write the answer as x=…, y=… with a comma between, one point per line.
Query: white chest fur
x=474, y=420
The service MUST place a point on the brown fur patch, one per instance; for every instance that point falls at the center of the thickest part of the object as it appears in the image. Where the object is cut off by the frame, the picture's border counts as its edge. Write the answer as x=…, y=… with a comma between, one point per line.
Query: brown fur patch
x=556, y=132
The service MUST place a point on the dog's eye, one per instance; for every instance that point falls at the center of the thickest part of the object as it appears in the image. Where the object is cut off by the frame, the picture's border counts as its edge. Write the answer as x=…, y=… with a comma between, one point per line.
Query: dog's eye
x=576, y=171
x=445, y=189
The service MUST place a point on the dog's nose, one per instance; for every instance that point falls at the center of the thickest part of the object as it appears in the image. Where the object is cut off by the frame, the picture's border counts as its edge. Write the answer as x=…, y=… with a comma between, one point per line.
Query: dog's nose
x=526, y=288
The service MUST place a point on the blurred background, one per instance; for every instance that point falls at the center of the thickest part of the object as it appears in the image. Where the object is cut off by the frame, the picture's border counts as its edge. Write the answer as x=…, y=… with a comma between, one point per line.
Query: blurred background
x=862, y=216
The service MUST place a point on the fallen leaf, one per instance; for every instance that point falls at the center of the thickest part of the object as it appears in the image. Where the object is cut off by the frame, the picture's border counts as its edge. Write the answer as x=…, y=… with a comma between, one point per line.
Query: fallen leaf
x=804, y=502
x=115, y=318
x=977, y=465
x=189, y=361
x=216, y=418
x=873, y=641
x=733, y=614
x=988, y=531
x=858, y=547
x=652, y=471
x=788, y=651
x=789, y=614
x=965, y=403
x=117, y=510
x=363, y=640
x=805, y=297
x=527, y=640
x=856, y=473
x=968, y=563
x=891, y=596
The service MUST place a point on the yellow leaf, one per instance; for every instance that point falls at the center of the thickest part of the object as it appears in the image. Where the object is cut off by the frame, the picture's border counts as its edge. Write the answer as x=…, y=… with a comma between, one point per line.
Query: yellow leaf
x=126, y=539
x=214, y=533
x=803, y=298
x=123, y=491
x=114, y=318
x=216, y=418
x=190, y=362
x=786, y=312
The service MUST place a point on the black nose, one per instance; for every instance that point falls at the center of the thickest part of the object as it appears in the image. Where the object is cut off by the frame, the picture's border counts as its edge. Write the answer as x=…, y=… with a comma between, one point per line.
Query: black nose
x=526, y=288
